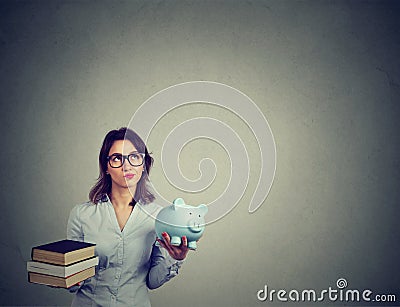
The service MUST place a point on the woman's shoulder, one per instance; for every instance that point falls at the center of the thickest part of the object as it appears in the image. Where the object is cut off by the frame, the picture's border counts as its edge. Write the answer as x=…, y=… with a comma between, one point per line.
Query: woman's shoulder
x=86, y=207
x=151, y=208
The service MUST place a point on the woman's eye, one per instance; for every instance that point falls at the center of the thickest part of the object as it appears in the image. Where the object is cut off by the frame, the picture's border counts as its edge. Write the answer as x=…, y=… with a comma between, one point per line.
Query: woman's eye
x=116, y=158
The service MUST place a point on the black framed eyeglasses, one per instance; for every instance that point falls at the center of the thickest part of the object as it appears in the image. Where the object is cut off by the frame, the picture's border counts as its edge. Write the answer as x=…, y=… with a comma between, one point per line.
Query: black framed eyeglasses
x=134, y=159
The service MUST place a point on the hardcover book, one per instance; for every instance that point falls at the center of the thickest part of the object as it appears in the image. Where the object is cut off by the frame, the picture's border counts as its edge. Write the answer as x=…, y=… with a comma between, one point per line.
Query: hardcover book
x=60, y=270
x=62, y=282
x=63, y=252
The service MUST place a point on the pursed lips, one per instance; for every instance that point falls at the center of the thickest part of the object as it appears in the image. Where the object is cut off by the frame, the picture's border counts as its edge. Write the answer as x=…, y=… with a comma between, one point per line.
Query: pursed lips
x=129, y=176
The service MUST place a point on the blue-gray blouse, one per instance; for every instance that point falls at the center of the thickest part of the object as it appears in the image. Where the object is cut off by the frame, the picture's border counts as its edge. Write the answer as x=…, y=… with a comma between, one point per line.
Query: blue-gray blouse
x=129, y=262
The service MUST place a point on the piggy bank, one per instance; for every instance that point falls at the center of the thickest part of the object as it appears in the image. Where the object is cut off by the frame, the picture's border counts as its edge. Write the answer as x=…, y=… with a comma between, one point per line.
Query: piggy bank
x=180, y=220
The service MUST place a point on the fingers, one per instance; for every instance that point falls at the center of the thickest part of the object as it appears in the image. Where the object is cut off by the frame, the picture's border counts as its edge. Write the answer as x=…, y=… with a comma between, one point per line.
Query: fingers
x=176, y=252
x=166, y=238
x=184, y=241
x=161, y=242
x=166, y=241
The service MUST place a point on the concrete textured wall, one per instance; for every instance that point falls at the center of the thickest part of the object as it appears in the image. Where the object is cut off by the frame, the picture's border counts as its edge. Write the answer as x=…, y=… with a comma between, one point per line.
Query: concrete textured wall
x=326, y=74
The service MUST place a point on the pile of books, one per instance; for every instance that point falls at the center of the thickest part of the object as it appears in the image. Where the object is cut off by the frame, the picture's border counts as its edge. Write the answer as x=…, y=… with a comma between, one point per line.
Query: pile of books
x=62, y=264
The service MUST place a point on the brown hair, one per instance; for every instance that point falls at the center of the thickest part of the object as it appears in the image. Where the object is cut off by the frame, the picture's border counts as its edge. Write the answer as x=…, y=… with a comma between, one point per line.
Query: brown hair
x=103, y=184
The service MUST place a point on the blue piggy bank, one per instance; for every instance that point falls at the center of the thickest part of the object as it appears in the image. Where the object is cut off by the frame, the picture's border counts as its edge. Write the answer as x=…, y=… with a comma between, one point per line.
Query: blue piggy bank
x=180, y=220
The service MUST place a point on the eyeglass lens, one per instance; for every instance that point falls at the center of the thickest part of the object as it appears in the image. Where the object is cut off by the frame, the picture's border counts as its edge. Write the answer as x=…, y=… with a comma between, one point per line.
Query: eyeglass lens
x=117, y=160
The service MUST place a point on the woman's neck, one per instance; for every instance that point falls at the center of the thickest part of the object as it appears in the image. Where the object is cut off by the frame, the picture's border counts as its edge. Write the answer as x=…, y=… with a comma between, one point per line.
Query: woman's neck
x=121, y=198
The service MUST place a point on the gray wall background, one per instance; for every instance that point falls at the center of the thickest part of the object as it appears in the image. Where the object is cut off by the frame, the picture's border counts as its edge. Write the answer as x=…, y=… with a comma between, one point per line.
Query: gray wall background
x=326, y=74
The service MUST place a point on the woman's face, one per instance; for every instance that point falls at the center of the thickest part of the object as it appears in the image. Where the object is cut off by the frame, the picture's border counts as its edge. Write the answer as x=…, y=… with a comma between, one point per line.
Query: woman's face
x=126, y=176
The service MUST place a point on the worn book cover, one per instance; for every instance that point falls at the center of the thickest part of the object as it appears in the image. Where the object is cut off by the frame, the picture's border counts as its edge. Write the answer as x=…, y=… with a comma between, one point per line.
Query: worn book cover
x=63, y=252
x=60, y=281
x=61, y=270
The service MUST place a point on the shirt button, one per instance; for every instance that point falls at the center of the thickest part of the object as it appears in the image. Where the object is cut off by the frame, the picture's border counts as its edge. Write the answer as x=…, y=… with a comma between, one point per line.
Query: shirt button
x=117, y=276
x=113, y=297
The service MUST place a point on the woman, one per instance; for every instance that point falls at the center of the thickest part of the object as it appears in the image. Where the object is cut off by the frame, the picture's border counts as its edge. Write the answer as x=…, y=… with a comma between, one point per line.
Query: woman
x=129, y=262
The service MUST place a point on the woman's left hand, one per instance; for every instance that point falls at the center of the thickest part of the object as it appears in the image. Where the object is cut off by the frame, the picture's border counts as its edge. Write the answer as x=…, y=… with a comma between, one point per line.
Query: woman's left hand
x=176, y=252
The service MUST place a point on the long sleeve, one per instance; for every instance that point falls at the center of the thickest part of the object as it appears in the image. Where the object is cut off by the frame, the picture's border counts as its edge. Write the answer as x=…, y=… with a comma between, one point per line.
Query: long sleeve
x=162, y=267
x=74, y=232
x=74, y=228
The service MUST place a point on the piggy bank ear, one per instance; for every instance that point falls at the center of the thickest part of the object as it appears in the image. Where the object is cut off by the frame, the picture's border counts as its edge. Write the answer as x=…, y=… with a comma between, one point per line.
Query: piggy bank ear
x=178, y=203
x=203, y=209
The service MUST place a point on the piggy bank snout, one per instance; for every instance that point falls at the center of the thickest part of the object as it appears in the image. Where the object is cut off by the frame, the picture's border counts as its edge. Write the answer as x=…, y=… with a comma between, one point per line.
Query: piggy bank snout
x=196, y=225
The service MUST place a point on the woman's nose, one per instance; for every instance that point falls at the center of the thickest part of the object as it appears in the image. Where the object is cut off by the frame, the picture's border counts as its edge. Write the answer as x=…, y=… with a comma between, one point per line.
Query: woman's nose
x=126, y=165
